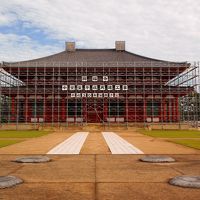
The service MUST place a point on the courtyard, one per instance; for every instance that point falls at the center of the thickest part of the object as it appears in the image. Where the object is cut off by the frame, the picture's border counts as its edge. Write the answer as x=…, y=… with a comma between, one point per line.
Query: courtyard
x=96, y=173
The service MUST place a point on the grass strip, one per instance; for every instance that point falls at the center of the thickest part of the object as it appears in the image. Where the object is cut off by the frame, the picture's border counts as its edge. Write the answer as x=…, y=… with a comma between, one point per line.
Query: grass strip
x=188, y=143
x=22, y=134
x=172, y=133
x=4, y=143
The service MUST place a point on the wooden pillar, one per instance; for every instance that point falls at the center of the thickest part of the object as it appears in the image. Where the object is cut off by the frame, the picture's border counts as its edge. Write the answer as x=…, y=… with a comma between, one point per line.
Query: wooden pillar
x=170, y=113
x=145, y=109
x=29, y=109
x=48, y=110
x=26, y=109
x=85, y=109
x=177, y=110
x=13, y=117
x=105, y=110
x=127, y=110
x=161, y=110
x=174, y=110
x=63, y=110
x=44, y=109
x=164, y=110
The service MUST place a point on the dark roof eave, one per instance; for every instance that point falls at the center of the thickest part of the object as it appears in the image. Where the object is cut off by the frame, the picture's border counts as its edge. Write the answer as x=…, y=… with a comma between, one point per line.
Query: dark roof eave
x=157, y=60
x=47, y=60
x=100, y=64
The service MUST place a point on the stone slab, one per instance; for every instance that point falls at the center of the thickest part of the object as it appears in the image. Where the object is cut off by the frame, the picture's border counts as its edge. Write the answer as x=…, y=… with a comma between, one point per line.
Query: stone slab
x=157, y=159
x=32, y=159
x=9, y=181
x=186, y=181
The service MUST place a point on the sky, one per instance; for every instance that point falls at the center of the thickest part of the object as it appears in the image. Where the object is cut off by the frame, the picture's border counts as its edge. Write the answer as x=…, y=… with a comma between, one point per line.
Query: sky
x=162, y=29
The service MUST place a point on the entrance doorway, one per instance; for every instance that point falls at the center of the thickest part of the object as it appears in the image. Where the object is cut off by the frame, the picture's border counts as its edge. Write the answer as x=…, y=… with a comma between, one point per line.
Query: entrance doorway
x=95, y=111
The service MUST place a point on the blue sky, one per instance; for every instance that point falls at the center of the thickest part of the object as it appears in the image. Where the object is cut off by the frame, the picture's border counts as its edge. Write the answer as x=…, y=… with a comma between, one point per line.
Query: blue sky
x=36, y=34
x=162, y=29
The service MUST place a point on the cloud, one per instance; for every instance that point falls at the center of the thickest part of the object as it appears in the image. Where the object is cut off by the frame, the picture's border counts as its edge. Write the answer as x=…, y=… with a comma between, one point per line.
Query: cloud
x=18, y=48
x=156, y=28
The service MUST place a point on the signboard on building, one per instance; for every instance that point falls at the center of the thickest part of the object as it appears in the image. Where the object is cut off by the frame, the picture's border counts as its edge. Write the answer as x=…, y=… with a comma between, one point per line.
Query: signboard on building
x=94, y=90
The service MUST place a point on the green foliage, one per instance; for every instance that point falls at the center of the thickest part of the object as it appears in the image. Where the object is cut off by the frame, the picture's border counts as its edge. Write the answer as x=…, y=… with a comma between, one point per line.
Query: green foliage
x=190, y=107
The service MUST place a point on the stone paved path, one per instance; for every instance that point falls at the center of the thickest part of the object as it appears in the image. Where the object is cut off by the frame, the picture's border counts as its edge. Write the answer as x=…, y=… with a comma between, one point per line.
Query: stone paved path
x=103, y=177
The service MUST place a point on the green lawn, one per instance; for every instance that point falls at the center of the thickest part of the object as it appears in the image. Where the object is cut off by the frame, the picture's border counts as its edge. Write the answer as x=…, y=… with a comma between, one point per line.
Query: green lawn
x=188, y=142
x=172, y=133
x=22, y=134
x=4, y=143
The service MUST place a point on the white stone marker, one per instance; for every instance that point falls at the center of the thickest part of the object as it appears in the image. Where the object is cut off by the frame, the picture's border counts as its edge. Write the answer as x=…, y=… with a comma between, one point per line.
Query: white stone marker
x=118, y=145
x=72, y=145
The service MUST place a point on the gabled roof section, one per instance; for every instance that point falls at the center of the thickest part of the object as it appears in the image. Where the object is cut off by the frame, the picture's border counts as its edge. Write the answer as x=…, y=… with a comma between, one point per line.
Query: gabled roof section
x=94, y=56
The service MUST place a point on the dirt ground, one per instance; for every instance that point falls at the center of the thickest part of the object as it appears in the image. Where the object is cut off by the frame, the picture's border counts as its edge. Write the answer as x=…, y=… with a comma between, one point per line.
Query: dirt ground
x=102, y=177
x=95, y=143
x=39, y=145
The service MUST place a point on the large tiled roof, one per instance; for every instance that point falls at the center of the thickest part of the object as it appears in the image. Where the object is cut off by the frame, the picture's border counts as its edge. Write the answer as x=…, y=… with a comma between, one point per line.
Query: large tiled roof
x=94, y=56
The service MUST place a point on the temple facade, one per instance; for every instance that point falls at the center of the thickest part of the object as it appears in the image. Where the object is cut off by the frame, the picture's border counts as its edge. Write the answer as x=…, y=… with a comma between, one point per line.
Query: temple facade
x=92, y=86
